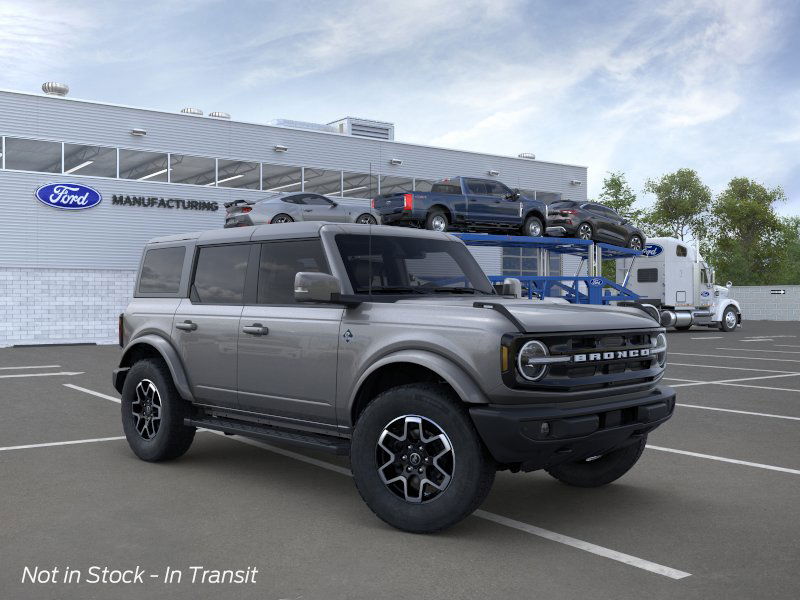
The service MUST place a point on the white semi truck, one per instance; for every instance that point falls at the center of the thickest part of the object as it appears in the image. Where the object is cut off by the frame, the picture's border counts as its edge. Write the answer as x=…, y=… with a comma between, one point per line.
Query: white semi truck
x=673, y=277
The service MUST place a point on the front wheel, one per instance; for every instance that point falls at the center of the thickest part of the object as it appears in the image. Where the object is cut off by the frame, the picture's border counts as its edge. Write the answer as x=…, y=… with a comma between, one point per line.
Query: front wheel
x=596, y=471
x=366, y=219
x=533, y=227
x=729, y=320
x=417, y=460
x=635, y=243
x=153, y=413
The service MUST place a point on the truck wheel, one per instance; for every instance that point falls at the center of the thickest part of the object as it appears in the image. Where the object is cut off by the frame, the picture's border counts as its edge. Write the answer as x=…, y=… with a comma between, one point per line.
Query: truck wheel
x=437, y=220
x=729, y=320
x=417, y=460
x=533, y=227
x=153, y=413
x=599, y=470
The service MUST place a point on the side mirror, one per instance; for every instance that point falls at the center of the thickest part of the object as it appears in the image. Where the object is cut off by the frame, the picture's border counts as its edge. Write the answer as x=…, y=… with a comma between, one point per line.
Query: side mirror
x=315, y=287
x=334, y=204
x=729, y=285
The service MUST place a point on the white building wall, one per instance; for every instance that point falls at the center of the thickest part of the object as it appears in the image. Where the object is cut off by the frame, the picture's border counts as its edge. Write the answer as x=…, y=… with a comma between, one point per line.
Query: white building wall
x=59, y=306
x=758, y=303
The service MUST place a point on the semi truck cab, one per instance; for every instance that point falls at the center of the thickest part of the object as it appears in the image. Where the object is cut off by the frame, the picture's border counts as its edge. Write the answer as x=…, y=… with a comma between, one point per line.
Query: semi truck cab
x=672, y=276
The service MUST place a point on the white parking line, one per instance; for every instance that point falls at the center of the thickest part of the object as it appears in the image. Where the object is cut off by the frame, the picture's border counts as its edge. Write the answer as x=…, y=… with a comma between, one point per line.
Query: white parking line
x=759, y=340
x=726, y=367
x=739, y=412
x=67, y=373
x=68, y=443
x=728, y=381
x=585, y=546
x=708, y=337
x=92, y=392
x=31, y=367
x=747, y=358
x=727, y=460
x=749, y=350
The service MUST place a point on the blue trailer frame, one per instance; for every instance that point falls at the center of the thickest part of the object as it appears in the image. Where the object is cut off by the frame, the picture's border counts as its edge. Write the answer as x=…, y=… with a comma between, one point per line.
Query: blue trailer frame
x=598, y=289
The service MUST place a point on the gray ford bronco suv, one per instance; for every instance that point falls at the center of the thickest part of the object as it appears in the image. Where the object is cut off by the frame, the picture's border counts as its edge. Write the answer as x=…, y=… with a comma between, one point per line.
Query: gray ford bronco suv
x=388, y=345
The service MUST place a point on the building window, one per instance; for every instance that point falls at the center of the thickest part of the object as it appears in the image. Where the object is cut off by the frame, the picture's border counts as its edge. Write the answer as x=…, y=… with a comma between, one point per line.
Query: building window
x=396, y=185
x=144, y=166
x=279, y=178
x=546, y=197
x=322, y=181
x=33, y=155
x=359, y=185
x=96, y=161
x=194, y=170
x=423, y=185
x=238, y=174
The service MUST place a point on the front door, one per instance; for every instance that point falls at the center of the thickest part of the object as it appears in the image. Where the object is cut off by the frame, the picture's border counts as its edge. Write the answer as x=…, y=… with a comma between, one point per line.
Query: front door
x=320, y=208
x=206, y=325
x=288, y=351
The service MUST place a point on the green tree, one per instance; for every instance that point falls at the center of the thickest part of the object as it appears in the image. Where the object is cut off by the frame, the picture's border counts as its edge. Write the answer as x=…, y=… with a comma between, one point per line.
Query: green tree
x=617, y=194
x=681, y=206
x=750, y=243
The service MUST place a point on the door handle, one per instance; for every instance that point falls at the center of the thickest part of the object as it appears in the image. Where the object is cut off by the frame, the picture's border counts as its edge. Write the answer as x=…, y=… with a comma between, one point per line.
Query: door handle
x=255, y=329
x=186, y=326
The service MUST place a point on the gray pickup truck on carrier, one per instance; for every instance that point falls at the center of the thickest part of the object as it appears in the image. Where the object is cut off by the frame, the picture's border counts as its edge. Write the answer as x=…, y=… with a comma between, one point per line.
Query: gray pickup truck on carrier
x=388, y=345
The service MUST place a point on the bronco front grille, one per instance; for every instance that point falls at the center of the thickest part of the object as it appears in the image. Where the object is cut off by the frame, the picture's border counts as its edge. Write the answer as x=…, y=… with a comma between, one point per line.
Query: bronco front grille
x=597, y=360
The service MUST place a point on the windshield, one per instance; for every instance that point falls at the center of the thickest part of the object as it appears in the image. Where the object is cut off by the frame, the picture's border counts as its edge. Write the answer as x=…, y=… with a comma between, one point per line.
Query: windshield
x=383, y=264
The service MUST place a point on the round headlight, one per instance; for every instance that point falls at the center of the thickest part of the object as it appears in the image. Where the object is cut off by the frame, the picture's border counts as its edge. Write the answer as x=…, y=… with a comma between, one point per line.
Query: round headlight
x=526, y=360
x=660, y=345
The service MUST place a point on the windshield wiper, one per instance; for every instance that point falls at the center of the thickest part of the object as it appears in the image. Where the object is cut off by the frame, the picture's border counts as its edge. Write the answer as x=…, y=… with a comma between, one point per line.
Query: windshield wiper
x=397, y=289
x=458, y=290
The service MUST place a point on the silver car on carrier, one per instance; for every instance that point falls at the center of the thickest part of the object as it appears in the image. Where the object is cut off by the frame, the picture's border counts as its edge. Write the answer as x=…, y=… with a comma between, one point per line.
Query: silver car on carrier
x=297, y=206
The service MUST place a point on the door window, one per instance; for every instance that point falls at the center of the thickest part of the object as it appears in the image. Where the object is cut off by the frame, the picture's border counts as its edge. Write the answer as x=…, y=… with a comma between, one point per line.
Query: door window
x=315, y=200
x=495, y=188
x=476, y=186
x=280, y=262
x=220, y=273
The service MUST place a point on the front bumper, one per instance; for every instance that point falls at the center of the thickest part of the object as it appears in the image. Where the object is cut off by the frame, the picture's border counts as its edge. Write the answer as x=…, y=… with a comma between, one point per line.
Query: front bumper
x=535, y=437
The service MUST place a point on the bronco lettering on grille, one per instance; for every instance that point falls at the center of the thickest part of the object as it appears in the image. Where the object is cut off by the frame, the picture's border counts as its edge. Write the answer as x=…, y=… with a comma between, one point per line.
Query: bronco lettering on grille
x=618, y=354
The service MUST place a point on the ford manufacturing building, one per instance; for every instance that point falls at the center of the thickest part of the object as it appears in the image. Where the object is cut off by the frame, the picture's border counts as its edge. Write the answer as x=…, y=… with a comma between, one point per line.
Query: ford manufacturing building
x=65, y=275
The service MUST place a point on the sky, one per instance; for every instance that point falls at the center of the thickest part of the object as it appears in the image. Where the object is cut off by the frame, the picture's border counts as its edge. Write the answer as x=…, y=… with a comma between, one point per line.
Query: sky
x=639, y=87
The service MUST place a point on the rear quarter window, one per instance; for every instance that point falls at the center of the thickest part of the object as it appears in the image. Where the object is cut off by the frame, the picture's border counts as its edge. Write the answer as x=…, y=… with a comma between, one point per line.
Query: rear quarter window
x=161, y=271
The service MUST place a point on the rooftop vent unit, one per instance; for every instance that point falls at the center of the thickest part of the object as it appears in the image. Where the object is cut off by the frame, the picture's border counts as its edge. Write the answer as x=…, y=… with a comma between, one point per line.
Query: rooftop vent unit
x=192, y=111
x=302, y=125
x=219, y=115
x=527, y=155
x=376, y=130
x=51, y=88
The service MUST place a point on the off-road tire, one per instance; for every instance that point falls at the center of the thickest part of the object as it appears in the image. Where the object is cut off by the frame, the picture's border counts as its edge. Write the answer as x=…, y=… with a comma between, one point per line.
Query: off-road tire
x=531, y=223
x=435, y=216
x=473, y=468
x=723, y=324
x=600, y=471
x=172, y=438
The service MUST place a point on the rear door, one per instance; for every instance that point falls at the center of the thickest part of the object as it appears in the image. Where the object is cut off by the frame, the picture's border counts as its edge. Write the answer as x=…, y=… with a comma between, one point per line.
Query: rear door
x=288, y=351
x=206, y=325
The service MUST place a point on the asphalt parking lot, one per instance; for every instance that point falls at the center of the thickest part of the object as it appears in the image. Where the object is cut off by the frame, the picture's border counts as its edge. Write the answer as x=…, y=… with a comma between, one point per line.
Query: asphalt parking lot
x=710, y=511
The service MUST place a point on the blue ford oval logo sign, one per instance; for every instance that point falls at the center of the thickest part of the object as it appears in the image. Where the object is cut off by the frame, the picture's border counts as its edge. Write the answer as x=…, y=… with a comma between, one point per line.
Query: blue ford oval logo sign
x=652, y=250
x=705, y=293
x=596, y=281
x=68, y=196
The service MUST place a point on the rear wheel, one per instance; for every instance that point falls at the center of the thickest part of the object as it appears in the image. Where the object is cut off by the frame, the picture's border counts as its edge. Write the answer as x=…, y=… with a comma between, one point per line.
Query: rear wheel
x=437, y=220
x=367, y=219
x=417, y=460
x=153, y=413
x=281, y=218
x=533, y=227
x=729, y=320
x=599, y=470
x=584, y=232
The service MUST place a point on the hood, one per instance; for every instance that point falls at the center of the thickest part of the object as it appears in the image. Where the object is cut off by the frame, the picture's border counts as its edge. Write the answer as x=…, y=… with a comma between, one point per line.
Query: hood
x=540, y=317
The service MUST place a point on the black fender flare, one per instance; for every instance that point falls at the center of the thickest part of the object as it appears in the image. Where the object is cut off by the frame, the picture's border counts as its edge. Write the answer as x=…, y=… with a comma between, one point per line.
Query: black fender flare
x=167, y=352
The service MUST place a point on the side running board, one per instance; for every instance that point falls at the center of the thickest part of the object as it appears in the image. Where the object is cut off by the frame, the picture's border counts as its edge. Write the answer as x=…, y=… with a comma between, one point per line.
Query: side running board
x=326, y=443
